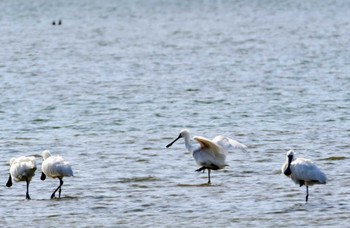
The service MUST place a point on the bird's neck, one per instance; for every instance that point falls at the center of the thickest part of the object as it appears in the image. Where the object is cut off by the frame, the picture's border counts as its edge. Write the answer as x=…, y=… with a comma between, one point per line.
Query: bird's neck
x=188, y=144
x=288, y=171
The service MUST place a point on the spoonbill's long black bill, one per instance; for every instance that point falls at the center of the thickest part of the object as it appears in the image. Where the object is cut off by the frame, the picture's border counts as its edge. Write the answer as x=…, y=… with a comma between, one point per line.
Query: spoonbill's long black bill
x=169, y=145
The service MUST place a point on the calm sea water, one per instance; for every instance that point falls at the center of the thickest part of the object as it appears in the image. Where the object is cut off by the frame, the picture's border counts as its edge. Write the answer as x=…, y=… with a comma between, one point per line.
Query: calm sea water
x=118, y=80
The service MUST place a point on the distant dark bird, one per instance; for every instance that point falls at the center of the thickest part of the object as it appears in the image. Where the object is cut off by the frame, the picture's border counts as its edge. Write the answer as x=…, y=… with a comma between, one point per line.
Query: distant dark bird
x=59, y=22
x=53, y=23
x=22, y=169
x=303, y=172
x=55, y=167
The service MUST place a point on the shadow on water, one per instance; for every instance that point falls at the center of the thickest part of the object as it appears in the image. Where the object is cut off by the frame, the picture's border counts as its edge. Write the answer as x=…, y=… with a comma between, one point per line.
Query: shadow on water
x=197, y=185
x=334, y=158
x=137, y=179
x=302, y=207
x=296, y=207
x=65, y=198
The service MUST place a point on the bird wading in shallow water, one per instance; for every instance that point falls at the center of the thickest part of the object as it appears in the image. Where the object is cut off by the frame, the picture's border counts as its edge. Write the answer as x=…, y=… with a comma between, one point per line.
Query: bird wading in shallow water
x=22, y=169
x=303, y=172
x=55, y=167
x=209, y=154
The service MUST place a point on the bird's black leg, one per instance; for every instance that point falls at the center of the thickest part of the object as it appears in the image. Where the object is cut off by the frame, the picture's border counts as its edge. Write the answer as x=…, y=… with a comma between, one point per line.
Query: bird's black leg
x=201, y=169
x=59, y=191
x=209, y=176
x=58, y=188
x=9, y=182
x=307, y=193
x=27, y=193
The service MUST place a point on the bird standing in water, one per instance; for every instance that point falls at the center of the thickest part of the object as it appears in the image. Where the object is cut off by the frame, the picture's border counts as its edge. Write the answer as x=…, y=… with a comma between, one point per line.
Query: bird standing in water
x=209, y=154
x=22, y=169
x=303, y=172
x=55, y=167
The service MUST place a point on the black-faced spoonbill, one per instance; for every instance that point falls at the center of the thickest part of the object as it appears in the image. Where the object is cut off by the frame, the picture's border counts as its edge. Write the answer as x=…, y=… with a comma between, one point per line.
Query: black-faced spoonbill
x=303, y=172
x=55, y=167
x=22, y=169
x=209, y=154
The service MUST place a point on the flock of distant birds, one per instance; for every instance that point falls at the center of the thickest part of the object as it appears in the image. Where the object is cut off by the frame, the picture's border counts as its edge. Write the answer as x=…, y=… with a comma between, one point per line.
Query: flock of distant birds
x=208, y=154
x=58, y=23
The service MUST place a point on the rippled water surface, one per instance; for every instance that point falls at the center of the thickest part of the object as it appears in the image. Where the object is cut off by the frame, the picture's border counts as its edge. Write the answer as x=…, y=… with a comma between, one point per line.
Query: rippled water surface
x=118, y=80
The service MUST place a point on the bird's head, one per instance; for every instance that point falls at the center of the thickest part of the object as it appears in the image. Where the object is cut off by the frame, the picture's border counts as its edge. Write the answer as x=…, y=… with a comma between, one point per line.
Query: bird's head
x=183, y=134
x=12, y=160
x=46, y=154
x=290, y=155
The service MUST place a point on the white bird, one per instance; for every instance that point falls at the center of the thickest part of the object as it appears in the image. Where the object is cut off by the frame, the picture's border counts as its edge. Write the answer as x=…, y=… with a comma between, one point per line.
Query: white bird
x=209, y=154
x=55, y=167
x=22, y=169
x=303, y=172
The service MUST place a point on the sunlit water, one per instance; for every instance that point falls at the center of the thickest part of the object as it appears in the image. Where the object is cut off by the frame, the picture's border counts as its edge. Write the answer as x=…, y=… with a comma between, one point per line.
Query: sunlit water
x=118, y=80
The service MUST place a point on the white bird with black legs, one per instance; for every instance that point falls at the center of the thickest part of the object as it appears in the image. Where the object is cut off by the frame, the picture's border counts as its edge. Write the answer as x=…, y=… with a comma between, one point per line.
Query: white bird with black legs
x=303, y=172
x=209, y=154
x=22, y=169
x=55, y=167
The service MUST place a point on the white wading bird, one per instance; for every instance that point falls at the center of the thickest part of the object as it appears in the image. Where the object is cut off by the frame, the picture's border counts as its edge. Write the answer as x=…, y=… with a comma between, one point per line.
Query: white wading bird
x=22, y=169
x=55, y=167
x=209, y=154
x=303, y=172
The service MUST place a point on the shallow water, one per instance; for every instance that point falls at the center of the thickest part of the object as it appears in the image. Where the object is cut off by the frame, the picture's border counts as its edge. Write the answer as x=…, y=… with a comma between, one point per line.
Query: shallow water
x=118, y=80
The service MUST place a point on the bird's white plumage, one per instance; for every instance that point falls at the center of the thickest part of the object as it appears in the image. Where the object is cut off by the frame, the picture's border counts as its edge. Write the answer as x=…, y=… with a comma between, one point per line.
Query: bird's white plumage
x=208, y=146
x=307, y=171
x=55, y=166
x=303, y=171
x=209, y=154
x=22, y=167
x=228, y=143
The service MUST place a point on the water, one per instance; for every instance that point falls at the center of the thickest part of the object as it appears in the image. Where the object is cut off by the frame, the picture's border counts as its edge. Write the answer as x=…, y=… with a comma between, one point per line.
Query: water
x=118, y=80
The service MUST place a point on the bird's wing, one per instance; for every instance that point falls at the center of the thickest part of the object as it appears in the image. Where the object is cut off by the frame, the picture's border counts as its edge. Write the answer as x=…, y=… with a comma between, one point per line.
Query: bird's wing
x=55, y=166
x=29, y=161
x=305, y=169
x=208, y=144
x=228, y=143
x=24, y=163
